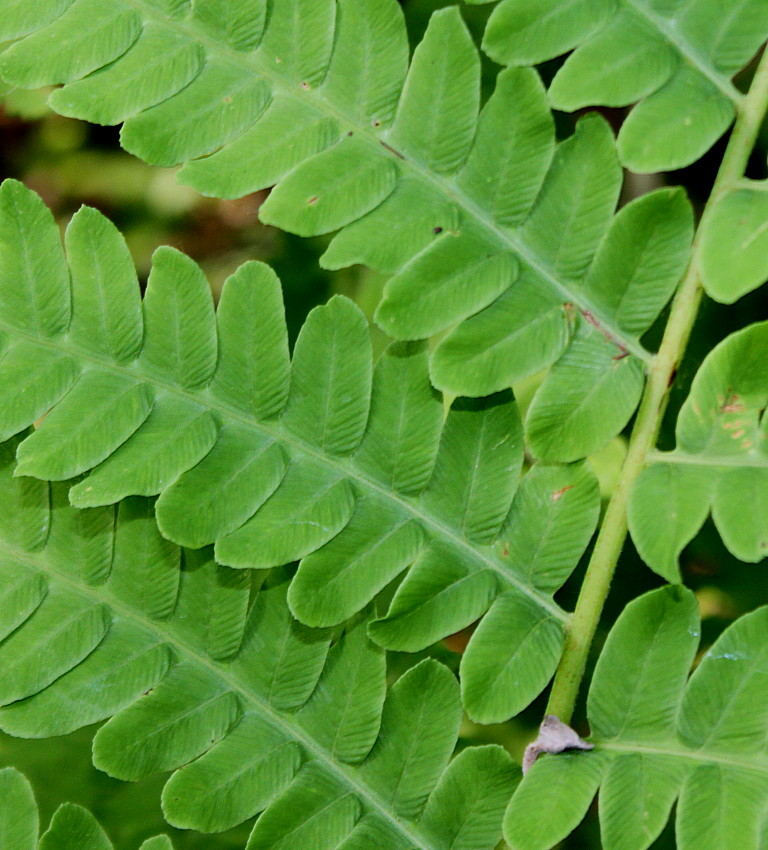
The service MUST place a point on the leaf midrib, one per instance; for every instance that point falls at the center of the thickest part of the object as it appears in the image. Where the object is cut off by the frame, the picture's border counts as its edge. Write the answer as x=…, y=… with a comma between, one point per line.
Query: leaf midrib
x=205, y=398
x=23, y=243
x=733, y=698
x=687, y=51
x=184, y=649
x=445, y=185
x=675, y=750
x=745, y=461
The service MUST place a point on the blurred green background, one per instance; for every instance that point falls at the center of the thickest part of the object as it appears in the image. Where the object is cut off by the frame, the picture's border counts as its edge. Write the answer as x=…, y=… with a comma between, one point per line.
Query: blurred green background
x=70, y=163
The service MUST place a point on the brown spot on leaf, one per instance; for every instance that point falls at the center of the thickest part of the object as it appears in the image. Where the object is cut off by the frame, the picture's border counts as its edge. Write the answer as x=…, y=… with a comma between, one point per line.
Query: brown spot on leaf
x=731, y=404
x=558, y=494
x=313, y=200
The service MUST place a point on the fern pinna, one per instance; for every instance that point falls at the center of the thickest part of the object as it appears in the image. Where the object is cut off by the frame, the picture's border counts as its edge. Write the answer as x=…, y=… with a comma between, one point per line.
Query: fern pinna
x=71, y=828
x=720, y=463
x=275, y=461
x=661, y=737
x=103, y=618
x=490, y=230
x=676, y=60
x=676, y=57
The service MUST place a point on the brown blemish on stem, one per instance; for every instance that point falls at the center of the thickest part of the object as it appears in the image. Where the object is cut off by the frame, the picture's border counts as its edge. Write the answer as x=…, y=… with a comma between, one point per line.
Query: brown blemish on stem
x=672, y=376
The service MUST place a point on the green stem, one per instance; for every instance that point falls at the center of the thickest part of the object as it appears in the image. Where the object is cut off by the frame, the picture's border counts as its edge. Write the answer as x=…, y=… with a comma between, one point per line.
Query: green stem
x=613, y=532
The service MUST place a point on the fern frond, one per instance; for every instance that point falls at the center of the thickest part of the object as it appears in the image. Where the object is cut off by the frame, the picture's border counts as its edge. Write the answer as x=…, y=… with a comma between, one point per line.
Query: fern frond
x=72, y=827
x=473, y=215
x=676, y=58
x=317, y=459
x=262, y=713
x=659, y=738
x=720, y=463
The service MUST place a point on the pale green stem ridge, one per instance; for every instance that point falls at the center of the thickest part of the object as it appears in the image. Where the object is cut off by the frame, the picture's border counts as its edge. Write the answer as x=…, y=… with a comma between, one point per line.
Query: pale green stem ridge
x=613, y=531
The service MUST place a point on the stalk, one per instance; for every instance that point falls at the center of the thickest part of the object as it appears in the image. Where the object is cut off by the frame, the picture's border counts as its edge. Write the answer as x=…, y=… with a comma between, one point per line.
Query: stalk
x=613, y=532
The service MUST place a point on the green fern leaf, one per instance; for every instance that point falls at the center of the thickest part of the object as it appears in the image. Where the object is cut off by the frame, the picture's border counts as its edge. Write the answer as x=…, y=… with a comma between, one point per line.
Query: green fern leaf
x=115, y=406
x=467, y=276
x=20, y=20
x=515, y=134
x=328, y=408
x=578, y=181
x=676, y=58
x=437, y=113
x=263, y=713
x=77, y=42
x=31, y=242
x=319, y=100
x=102, y=274
x=159, y=64
x=241, y=25
x=332, y=189
x=561, y=420
x=315, y=459
x=659, y=738
x=19, y=823
x=72, y=827
x=734, y=242
x=719, y=463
